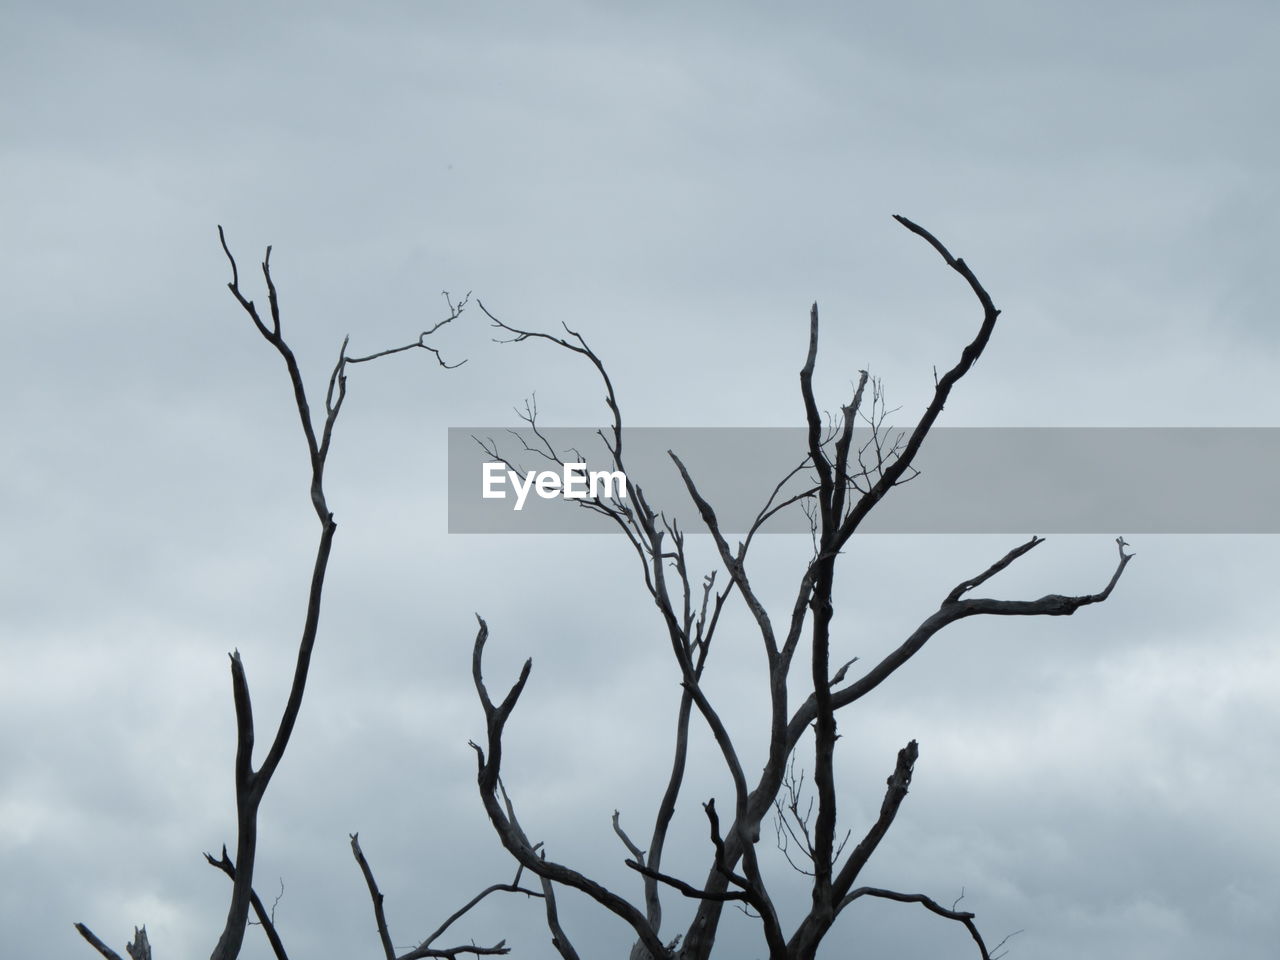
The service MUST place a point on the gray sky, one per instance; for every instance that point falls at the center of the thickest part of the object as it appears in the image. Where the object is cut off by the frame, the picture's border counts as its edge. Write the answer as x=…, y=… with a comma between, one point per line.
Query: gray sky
x=678, y=184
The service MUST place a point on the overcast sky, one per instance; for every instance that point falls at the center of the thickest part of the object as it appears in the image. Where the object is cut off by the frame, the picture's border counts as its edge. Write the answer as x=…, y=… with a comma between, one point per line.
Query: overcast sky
x=678, y=182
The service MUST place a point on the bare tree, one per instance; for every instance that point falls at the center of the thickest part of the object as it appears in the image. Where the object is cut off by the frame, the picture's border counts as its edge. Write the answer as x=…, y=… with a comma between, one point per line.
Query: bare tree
x=251, y=782
x=848, y=482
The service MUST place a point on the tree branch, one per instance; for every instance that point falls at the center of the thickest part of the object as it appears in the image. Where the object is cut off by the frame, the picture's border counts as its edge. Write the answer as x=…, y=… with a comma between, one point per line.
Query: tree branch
x=804, y=942
x=379, y=915
x=251, y=784
x=513, y=839
x=960, y=916
x=1054, y=605
x=259, y=908
x=942, y=390
x=97, y=944
x=685, y=888
x=845, y=492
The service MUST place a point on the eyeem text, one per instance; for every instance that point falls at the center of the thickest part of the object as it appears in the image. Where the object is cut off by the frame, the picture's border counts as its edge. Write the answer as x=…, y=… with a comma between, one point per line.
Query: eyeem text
x=573, y=482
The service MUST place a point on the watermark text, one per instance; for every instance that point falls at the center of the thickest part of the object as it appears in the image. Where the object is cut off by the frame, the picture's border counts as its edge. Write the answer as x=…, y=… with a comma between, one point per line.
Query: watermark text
x=572, y=482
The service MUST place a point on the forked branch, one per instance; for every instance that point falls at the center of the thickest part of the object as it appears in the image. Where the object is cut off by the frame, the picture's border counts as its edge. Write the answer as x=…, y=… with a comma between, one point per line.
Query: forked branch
x=513, y=838
x=251, y=784
x=426, y=948
x=265, y=919
x=849, y=481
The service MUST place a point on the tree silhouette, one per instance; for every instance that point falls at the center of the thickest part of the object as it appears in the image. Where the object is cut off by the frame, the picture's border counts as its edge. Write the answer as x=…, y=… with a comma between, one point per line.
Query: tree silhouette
x=845, y=482
x=251, y=782
x=848, y=483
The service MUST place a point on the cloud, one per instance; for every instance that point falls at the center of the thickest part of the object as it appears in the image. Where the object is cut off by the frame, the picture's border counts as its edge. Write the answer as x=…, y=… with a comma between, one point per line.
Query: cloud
x=679, y=185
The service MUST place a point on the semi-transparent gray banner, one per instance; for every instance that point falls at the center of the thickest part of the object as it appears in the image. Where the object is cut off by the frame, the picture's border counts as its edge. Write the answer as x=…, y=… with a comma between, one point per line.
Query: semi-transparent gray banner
x=1124, y=480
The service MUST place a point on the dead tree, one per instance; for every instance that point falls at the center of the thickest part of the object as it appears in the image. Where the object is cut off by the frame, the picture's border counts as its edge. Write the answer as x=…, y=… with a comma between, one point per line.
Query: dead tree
x=251, y=782
x=848, y=482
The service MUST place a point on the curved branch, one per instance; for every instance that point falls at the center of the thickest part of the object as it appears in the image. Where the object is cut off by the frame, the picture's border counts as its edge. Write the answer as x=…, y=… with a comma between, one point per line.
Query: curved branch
x=951, y=610
x=942, y=390
x=512, y=837
x=582, y=349
x=425, y=949
x=685, y=888
x=929, y=903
